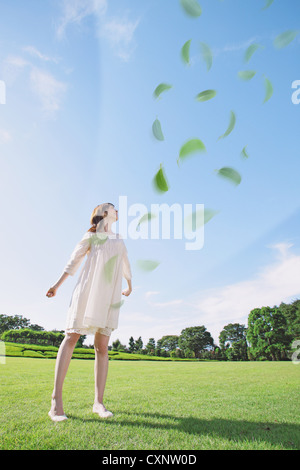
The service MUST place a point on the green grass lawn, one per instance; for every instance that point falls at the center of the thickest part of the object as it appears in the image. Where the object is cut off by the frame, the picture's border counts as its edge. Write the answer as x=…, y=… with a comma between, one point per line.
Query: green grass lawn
x=156, y=406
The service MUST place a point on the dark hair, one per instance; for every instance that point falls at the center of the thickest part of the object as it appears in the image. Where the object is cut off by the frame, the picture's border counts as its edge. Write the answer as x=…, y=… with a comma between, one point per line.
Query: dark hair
x=95, y=219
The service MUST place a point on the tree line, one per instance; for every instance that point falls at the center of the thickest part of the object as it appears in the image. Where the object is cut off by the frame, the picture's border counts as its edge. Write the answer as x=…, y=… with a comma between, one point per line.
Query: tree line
x=17, y=329
x=270, y=335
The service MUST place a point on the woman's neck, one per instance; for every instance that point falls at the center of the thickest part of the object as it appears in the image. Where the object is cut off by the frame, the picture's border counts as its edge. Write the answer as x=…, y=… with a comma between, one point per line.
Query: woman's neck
x=105, y=227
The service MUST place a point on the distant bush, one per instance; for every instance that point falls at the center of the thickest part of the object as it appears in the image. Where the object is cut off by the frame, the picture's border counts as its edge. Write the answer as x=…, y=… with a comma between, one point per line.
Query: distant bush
x=30, y=353
x=27, y=336
x=50, y=352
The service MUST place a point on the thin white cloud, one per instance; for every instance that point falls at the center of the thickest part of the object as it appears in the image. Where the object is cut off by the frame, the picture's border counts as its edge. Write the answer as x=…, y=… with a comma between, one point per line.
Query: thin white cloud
x=16, y=61
x=238, y=46
x=49, y=90
x=118, y=31
x=44, y=85
x=226, y=48
x=282, y=249
x=75, y=11
x=234, y=47
x=33, y=51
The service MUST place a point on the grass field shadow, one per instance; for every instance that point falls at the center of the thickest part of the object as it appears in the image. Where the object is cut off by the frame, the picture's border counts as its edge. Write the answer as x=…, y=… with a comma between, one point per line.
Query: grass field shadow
x=285, y=435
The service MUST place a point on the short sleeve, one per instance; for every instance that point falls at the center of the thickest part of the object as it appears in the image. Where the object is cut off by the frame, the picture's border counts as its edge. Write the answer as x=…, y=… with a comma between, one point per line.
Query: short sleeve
x=126, y=271
x=78, y=254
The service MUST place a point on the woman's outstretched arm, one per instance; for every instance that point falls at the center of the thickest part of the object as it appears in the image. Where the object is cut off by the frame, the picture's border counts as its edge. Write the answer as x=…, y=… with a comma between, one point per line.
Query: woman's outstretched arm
x=52, y=291
x=73, y=264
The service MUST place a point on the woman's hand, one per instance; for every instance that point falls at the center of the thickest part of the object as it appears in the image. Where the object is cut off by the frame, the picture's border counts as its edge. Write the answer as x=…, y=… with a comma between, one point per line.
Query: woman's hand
x=127, y=291
x=51, y=292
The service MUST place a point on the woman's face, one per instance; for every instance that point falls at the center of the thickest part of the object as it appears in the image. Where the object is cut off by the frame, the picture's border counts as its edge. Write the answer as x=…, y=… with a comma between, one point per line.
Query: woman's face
x=112, y=213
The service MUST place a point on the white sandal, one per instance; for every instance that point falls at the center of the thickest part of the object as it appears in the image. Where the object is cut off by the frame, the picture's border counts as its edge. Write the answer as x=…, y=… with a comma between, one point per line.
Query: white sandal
x=57, y=417
x=102, y=411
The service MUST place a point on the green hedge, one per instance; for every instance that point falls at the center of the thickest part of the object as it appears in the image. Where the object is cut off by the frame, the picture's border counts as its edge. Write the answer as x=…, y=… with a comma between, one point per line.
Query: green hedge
x=28, y=336
x=50, y=352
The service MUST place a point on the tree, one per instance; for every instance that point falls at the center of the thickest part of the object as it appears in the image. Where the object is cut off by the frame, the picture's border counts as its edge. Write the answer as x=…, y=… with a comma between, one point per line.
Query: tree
x=139, y=345
x=196, y=339
x=131, y=344
x=176, y=353
x=292, y=315
x=267, y=334
x=80, y=342
x=36, y=327
x=168, y=343
x=188, y=353
x=233, y=342
x=237, y=352
x=150, y=347
x=118, y=346
x=218, y=355
x=13, y=322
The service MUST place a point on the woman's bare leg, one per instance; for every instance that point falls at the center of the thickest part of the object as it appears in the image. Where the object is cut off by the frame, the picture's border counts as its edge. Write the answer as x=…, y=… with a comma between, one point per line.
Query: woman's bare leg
x=101, y=365
x=101, y=369
x=63, y=359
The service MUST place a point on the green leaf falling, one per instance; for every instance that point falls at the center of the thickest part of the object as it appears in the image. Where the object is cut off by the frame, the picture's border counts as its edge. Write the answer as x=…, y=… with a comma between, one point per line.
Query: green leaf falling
x=231, y=125
x=157, y=131
x=268, y=89
x=268, y=4
x=191, y=7
x=246, y=74
x=284, y=39
x=118, y=304
x=206, y=95
x=109, y=268
x=145, y=218
x=244, y=153
x=160, y=181
x=206, y=55
x=197, y=219
x=190, y=147
x=147, y=264
x=250, y=51
x=162, y=87
x=185, y=52
x=98, y=238
x=230, y=174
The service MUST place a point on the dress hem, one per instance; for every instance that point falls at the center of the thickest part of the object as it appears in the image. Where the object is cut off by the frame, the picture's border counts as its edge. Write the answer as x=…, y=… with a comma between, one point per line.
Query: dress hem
x=90, y=330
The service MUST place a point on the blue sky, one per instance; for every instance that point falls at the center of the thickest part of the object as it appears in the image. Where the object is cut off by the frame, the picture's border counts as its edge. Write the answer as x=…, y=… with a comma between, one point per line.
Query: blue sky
x=76, y=131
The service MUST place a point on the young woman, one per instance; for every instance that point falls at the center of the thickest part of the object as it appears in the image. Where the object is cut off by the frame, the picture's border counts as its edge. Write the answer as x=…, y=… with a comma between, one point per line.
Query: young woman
x=95, y=303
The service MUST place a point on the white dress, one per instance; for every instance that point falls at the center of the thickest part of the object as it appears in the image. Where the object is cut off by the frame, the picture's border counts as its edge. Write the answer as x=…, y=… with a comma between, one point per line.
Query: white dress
x=97, y=296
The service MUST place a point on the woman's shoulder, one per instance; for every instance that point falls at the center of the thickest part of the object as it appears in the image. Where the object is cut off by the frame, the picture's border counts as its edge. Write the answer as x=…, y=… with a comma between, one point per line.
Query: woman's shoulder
x=89, y=234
